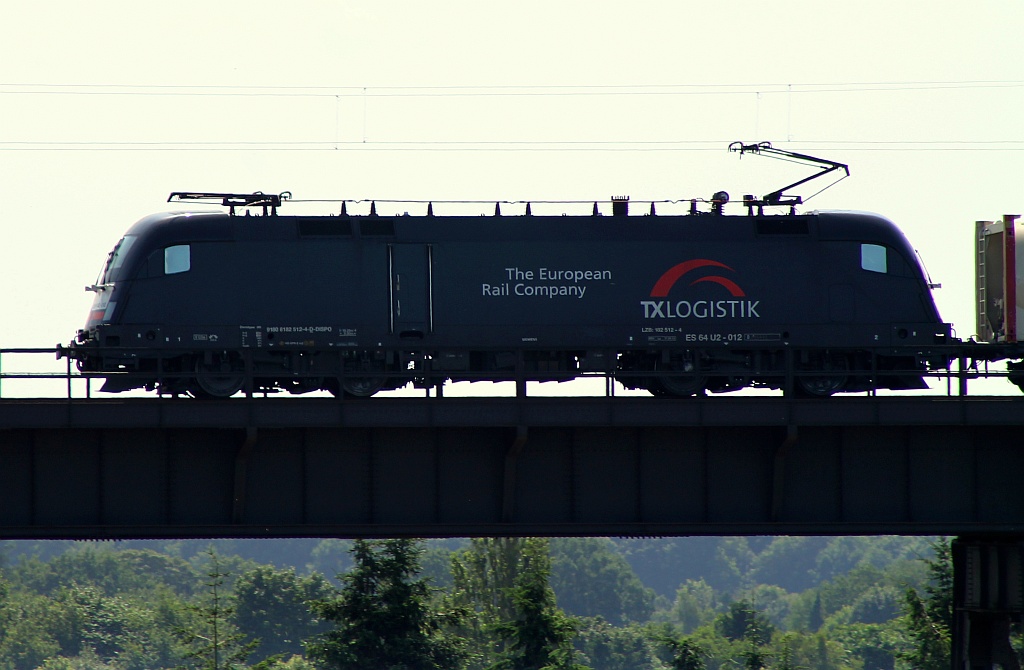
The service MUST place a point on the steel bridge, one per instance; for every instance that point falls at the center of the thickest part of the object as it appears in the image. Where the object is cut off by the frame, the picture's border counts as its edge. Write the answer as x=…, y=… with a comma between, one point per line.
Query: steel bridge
x=267, y=467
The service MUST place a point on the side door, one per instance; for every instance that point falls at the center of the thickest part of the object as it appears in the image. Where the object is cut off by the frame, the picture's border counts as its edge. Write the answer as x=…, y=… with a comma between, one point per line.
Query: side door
x=411, y=290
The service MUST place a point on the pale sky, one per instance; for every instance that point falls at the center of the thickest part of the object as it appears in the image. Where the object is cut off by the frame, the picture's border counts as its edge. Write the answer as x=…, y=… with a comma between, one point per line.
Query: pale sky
x=106, y=107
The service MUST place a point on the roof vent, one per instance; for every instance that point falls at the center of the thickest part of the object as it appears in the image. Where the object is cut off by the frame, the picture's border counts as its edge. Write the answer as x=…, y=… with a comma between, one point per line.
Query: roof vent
x=620, y=205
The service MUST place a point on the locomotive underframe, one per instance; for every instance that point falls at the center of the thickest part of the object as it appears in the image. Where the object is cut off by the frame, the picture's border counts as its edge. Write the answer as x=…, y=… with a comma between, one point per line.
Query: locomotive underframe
x=671, y=372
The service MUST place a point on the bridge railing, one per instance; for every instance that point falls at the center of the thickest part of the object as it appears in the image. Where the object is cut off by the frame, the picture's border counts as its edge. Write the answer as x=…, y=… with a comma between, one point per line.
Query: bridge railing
x=27, y=372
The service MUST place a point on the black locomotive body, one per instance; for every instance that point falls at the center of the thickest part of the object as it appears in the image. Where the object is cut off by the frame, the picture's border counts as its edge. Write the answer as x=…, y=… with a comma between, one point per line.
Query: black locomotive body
x=200, y=303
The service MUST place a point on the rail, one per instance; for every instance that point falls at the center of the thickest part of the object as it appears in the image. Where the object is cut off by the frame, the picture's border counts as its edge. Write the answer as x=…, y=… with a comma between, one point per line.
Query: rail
x=52, y=374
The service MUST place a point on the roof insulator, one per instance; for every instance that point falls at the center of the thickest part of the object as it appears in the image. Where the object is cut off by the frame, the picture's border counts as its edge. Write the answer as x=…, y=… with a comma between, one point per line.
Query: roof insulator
x=596, y=212
x=343, y=212
x=430, y=209
x=373, y=208
x=528, y=212
x=497, y=209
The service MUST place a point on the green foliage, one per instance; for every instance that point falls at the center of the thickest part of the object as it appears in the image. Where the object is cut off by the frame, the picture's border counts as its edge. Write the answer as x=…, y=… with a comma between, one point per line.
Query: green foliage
x=603, y=646
x=866, y=594
x=735, y=559
x=787, y=562
x=539, y=634
x=742, y=622
x=436, y=565
x=666, y=563
x=215, y=643
x=483, y=575
x=686, y=654
x=876, y=645
x=273, y=607
x=331, y=557
x=383, y=616
x=754, y=657
x=592, y=580
x=87, y=660
x=128, y=632
x=124, y=630
x=796, y=564
x=107, y=569
x=25, y=643
x=694, y=606
x=291, y=663
x=929, y=618
x=773, y=602
x=809, y=652
x=816, y=603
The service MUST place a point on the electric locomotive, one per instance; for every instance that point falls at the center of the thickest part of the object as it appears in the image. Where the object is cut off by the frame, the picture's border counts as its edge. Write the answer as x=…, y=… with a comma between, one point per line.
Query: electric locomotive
x=213, y=303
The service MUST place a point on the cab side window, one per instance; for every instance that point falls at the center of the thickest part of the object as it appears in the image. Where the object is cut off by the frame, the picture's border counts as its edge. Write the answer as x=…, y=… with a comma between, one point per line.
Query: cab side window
x=884, y=260
x=873, y=258
x=177, y=259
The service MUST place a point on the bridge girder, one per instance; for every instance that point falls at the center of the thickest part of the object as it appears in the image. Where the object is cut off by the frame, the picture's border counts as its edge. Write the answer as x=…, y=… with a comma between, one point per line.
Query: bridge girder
x=454, y=467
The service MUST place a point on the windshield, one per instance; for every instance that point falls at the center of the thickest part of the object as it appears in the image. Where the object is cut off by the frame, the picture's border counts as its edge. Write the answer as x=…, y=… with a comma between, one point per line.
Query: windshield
x=115, y=259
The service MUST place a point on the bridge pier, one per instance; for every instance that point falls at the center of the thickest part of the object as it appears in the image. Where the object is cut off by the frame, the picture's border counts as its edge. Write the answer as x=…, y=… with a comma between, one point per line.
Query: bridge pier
x=988, y=595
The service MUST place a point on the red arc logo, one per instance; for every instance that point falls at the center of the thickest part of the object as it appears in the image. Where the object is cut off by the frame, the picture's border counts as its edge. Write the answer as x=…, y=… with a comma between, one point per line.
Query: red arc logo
x=674, y=274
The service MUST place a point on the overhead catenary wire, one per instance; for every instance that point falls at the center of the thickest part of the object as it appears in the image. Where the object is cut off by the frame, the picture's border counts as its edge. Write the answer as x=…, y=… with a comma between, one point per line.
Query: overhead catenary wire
x=547, y=90
x=479, y=145
x=496, y=146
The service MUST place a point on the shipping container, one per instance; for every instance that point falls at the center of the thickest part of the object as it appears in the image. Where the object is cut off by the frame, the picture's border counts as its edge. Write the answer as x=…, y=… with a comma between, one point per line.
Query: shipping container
x=999, y=274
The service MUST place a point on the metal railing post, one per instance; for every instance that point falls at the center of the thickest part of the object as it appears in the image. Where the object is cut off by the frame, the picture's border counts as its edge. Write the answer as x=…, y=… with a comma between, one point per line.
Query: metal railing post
x=789, y=384
x=520, y=374
x=874, y=373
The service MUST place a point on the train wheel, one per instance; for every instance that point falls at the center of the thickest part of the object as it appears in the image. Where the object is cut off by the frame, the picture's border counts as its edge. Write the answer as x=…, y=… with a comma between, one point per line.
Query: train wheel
x=362, y=387
x=835, y=370
x=683, y=385
x=362, y=382
x=218, y=380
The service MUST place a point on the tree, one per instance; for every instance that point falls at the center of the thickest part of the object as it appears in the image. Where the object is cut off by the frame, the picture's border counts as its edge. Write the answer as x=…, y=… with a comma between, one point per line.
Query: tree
x=816, y=618
x=591, y=579
x=539, y=634
x=383, y=615
x=216, y=643
x=754, y=658
x=734, y=559
x=874, y=644
x=292, y=663
x=26, y=640
x=743, y=622
x=607, y=647
x=87, y=660
x=109, y=570
x=929, y=618
x=273, y=607
x=694, y=605
x=483, y=575
x=686, y=654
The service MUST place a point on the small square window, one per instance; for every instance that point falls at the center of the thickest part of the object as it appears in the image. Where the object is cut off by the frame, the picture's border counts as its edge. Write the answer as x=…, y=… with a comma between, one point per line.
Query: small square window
x=872, y=258
x=177, y=259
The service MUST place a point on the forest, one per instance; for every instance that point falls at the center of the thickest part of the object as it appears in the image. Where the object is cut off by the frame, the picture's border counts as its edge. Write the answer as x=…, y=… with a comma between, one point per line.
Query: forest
x=742, y=603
